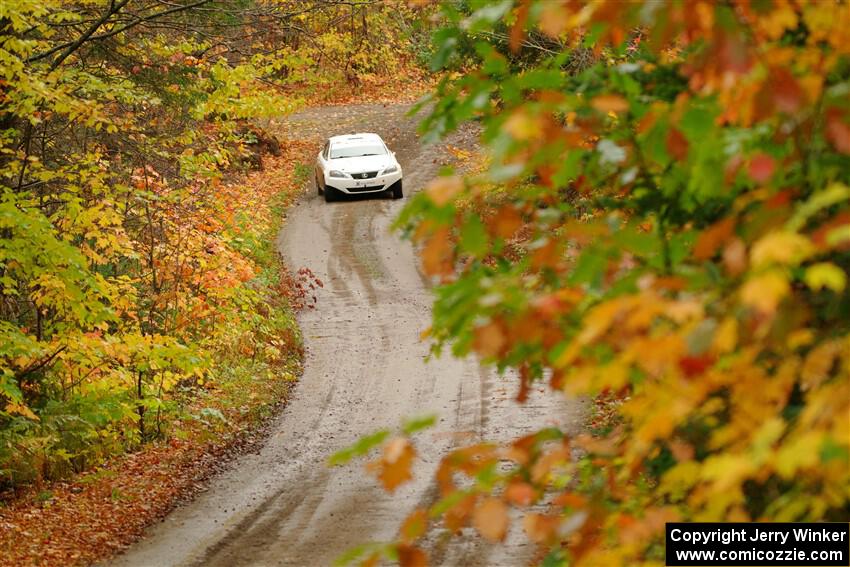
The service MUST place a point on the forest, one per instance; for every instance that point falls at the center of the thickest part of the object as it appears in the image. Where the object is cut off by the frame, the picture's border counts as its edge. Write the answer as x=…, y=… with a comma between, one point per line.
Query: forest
x=654, y=218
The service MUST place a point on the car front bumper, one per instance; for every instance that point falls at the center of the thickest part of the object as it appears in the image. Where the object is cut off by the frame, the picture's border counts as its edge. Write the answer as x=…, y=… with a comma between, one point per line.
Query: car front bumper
x=363, y=186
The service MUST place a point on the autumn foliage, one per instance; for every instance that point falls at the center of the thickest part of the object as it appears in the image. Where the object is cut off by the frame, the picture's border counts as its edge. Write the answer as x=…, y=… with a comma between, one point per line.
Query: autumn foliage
x=663, y=226
x=138, y=277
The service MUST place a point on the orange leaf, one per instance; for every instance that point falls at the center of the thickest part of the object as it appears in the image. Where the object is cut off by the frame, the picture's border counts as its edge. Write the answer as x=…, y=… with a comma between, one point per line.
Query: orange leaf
x=414, y=526
x=489, y=340
x=539, y=527
x=547, y=255
x=610, y=103
x=491, y=519
x=409, y=556
x=712, y=238
x=457, y=515
x=554, y=19
x=570, y=500
x=437, y=254
x=524, y=379
x=506, y=222
x=393, y=468
x=518, y=29
x=443, y=189
x=520, y=493
x=548, y=462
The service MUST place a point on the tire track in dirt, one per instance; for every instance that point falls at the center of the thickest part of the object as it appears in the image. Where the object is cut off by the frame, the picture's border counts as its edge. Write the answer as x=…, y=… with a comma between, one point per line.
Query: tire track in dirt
x=365, y=369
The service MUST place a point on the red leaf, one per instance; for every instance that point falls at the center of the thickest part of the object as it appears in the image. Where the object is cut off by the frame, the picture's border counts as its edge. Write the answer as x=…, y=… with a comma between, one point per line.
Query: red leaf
x=693, y=365
x=837, y=130
x=762, y=167
x=677, y=144
x=787, y=94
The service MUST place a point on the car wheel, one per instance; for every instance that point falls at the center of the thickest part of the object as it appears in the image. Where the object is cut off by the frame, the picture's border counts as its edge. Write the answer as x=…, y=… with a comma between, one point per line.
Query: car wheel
x=397, y=191
x=330, y=194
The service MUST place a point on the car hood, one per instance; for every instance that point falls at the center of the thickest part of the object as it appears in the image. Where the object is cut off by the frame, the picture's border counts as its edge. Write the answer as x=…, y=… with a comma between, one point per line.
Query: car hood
x=364, y=163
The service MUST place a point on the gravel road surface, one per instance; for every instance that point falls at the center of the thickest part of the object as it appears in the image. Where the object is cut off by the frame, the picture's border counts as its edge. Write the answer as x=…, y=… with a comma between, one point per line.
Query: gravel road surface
x=366, y=368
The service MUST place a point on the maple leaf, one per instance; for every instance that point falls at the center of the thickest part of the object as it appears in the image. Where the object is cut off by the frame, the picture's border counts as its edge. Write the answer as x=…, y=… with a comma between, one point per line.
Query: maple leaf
x=393, y=468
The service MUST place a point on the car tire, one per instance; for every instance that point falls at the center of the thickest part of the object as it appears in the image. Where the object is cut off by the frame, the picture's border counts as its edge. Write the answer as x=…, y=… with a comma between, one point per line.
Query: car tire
x=330, y=194
x=397, y=190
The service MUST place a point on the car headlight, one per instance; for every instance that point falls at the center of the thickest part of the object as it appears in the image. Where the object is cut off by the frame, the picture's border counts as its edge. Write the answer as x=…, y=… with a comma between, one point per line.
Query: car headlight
x=391, y=169
x=337, y=173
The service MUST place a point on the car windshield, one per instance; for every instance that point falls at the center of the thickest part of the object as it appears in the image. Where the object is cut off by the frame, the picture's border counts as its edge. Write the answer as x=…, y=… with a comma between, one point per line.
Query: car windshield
x=357, y=151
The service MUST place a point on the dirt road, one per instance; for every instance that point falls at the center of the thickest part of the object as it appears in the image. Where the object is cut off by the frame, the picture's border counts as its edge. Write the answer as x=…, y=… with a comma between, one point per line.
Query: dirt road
x=365, y=369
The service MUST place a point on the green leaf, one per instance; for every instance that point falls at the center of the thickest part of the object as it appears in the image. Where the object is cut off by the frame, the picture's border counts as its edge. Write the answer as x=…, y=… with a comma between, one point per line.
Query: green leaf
x=360, y=448
x=415, y=425
x=835, y=193
x=473, y=237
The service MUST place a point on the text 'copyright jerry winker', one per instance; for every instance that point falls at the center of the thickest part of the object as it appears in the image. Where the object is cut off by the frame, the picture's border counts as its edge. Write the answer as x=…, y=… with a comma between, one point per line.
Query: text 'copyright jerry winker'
x=763, y=544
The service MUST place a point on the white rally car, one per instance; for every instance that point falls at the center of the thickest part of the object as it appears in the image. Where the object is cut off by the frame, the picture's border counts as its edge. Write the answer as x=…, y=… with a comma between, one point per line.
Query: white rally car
x=357, y=164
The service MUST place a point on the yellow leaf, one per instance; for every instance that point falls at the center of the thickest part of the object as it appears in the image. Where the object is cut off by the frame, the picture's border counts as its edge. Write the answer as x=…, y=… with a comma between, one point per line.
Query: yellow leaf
x=825, y=274
x=788, y=248
x=775, y=21
x=727, y=471
x=819, y=364
x=20, y=409
x=764, y=292
x=803, y=452
x=523, y=126
x=726, y=336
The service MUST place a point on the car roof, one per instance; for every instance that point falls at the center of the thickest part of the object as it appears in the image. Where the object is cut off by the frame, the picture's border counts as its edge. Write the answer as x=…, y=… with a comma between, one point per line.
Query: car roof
x=354, y=139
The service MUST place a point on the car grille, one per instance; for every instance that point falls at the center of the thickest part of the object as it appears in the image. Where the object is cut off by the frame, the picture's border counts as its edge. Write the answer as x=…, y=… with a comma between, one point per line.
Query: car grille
x=365, y=175
x=367, y=188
